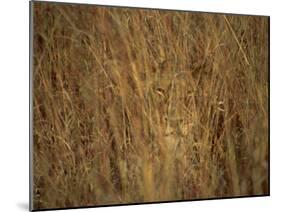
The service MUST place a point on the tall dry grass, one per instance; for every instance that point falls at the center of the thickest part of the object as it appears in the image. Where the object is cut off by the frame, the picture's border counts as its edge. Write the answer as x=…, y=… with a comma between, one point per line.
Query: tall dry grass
x=134, y=105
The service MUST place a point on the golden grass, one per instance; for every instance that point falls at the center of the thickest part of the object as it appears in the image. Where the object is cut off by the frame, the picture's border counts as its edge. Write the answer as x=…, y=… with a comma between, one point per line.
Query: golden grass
x=134, y=105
